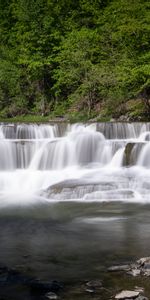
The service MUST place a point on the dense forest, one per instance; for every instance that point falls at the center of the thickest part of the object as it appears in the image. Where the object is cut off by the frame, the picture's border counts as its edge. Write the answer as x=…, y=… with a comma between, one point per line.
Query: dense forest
x=79, y=59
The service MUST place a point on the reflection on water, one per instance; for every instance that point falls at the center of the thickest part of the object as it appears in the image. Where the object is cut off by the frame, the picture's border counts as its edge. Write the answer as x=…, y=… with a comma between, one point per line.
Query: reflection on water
x=70, y=241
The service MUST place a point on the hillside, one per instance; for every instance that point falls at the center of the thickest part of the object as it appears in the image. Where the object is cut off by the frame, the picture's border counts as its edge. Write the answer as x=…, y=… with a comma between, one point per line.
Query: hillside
x=80, y=59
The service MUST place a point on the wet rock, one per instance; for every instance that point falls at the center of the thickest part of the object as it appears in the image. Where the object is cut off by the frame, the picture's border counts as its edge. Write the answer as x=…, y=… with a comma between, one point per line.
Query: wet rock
x=139, y=268
x=127, y=295
x=119, y=268
x=139, y=289
x=142, y=261
x=134, y=272
x=90, y=290
x=134, y=266
x=146, y=273
x=127, y=161
x=141, y=297
x=147, y=266
x=10, y=277
x=51, y=296
x=43, y=286
x=13, y=282
x=132, y=151
x=94, y=284
x=26, y=256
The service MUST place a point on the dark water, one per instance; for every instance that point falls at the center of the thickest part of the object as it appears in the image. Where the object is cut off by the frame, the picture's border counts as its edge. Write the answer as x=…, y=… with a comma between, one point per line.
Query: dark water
x=73, y=241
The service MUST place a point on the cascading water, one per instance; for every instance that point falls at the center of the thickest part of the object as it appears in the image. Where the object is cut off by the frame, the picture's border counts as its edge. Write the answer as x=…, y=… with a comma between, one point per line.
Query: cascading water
x=97, y=162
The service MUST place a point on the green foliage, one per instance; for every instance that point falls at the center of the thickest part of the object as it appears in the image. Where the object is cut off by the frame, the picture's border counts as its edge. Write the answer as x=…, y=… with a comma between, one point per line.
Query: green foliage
x=73, y=56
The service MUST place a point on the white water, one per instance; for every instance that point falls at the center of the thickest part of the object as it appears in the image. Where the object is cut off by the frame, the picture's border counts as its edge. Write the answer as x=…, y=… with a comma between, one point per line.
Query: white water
x=74, y=162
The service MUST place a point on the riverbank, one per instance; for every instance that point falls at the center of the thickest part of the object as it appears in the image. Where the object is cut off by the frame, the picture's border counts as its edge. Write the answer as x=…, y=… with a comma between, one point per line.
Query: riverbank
x=129, y=111
x=108, y=285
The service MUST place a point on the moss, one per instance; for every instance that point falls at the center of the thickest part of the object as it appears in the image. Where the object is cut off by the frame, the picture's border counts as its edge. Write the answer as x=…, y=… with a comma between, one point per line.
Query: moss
x=77, y=117
x=26, y=119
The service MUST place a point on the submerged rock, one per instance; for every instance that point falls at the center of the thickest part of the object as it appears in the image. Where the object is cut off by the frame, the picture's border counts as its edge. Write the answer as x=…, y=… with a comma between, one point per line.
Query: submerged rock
x=119, y=268
x=51, y=296
x=90, y=290
x=141, y=297
x=94, y=284
x=44, y=286
x=146, y=273
x=134, y=272
x=140, y=268
x=12, y=281
x=147, y=265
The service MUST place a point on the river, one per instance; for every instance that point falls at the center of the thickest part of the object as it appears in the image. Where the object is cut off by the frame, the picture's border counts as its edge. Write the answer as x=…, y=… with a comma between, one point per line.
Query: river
x=74, y=199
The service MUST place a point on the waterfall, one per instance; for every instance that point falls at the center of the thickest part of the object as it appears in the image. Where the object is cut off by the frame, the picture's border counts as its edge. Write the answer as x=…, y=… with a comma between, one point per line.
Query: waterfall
x=79, y=162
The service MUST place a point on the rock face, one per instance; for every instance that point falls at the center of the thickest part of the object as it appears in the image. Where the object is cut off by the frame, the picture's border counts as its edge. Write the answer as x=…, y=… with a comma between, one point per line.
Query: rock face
x=127, y=295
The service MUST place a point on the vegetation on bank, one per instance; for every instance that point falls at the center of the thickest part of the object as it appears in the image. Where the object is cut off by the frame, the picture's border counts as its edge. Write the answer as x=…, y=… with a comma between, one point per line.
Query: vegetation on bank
x=80, y=59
